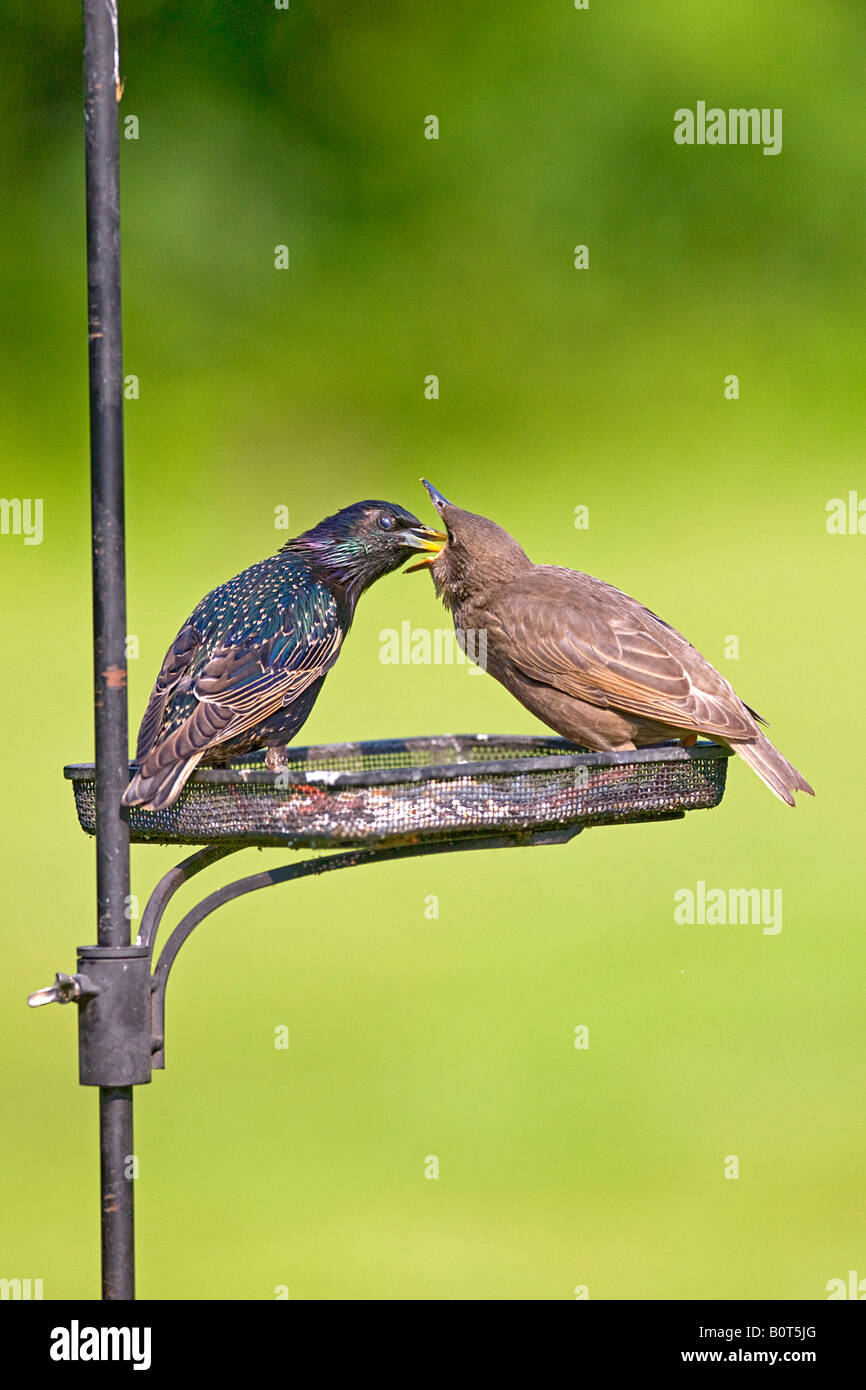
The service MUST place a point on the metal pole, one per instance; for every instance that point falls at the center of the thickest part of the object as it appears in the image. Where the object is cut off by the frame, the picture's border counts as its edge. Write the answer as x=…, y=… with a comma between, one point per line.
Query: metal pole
x=101, y=94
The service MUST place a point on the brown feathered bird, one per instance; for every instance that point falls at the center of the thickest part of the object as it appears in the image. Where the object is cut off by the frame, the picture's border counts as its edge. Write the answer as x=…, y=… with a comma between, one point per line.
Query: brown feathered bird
x=585, y=658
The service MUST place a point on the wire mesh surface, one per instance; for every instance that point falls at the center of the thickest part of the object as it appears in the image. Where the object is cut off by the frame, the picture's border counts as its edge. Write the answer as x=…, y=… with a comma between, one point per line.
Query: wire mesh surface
x=404, y=791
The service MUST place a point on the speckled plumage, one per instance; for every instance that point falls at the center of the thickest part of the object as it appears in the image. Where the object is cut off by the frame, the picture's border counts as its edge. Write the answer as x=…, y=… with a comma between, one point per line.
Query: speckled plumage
x=245, y=669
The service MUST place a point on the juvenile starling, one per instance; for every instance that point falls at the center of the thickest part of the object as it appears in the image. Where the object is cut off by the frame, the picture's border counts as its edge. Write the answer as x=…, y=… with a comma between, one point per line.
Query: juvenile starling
x=587, y=660
x=246, y=667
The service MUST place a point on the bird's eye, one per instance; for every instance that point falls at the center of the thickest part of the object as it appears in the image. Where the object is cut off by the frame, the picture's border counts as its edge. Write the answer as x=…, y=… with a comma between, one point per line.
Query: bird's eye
x=449, y=535
x=386, y=522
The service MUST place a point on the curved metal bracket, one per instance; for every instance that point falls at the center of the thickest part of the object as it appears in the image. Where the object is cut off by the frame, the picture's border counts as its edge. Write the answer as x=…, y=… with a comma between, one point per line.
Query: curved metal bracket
x=176, y=877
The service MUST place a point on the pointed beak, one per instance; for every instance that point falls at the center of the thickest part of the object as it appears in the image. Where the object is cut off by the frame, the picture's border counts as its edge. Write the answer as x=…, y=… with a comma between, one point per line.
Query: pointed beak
x=436, y=497
x=423, y=538
x=435, y=539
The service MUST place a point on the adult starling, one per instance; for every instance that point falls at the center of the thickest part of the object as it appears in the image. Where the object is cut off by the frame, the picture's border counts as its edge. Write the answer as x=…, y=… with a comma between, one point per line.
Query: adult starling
x=246, y=667
x=586, y=659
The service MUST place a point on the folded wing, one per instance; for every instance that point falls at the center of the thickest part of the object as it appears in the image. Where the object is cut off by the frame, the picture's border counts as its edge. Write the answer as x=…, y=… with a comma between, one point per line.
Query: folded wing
x=237, y=687
x=593, y=642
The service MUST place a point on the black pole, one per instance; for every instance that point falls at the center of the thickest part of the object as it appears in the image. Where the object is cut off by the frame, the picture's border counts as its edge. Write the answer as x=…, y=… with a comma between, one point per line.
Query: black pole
x=101, y=94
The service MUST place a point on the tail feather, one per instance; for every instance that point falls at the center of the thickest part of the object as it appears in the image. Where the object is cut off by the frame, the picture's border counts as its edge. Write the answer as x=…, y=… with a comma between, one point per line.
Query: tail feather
x=164, y=770
x=160, y=789
x=776, y=772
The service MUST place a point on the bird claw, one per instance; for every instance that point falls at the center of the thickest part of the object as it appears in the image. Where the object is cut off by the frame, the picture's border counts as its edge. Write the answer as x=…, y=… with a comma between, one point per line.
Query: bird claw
x=276, y=759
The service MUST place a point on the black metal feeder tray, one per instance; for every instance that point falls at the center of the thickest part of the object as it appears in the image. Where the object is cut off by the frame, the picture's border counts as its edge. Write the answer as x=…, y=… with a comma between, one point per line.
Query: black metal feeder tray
x=410, y=791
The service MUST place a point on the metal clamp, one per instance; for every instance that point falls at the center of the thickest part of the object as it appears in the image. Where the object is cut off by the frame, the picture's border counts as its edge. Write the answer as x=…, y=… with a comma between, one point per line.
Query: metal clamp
x=67, y=989
x=112, y=990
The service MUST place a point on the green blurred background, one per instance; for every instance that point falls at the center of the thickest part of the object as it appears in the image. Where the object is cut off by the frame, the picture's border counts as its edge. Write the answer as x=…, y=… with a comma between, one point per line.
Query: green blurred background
x=605, y=388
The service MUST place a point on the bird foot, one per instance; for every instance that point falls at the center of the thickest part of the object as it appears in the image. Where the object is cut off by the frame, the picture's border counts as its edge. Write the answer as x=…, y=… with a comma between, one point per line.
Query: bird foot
x=689, y=741
x=276, y=759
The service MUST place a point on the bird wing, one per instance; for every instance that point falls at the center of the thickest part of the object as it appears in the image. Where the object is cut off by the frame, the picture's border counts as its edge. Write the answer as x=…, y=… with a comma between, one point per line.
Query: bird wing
x=594, y=642
x=243, y=681
x=242, y=685
x=179, y=660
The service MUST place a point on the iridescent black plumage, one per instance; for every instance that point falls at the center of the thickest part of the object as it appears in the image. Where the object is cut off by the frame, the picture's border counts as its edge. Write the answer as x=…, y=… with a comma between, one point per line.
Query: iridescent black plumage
x=245, y=669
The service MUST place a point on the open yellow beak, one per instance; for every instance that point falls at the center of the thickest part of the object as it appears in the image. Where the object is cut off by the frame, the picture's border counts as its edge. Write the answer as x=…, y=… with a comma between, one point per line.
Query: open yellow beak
x=431, y=541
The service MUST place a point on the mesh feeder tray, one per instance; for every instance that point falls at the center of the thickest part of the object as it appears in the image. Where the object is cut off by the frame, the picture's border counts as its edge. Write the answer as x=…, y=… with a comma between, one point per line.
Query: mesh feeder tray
x=407, y=791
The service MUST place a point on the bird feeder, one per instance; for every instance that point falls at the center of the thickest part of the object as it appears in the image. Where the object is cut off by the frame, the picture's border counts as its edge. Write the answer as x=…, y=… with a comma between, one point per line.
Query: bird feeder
x=369, y=802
